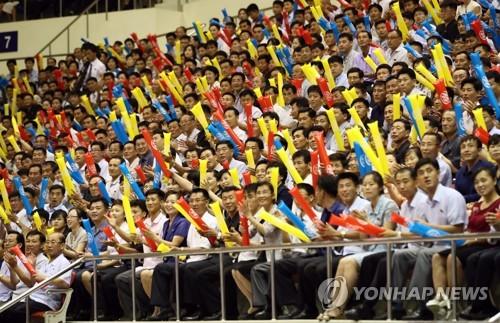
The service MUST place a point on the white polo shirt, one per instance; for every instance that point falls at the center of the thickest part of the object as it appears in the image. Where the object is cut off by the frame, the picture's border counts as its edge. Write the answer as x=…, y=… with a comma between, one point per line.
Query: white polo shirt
x=196, y=240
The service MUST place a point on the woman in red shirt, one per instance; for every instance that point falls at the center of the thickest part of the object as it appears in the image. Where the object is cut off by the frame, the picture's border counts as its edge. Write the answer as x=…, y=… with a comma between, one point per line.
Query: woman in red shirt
x=485, y=184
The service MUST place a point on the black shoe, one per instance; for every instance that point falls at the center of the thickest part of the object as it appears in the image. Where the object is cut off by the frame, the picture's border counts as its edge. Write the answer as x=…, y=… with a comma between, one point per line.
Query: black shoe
x=288, y=312
x=196, y=316
x=359, y=313
x=304, y=315
x=213, y=317
x=419, y=315
x=471, y=314
x=249, y=316
x=164, y=315
x=265, y=314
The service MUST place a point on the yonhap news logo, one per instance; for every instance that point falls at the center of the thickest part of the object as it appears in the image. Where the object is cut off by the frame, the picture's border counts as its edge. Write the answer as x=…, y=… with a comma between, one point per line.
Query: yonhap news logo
x=333, y=292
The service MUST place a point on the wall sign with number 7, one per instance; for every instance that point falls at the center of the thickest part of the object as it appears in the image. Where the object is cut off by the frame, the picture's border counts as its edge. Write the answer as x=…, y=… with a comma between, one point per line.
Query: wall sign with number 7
x=8, y=41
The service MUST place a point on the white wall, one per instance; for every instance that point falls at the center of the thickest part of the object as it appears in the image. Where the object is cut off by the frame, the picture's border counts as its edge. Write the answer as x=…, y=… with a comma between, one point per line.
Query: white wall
x=35, y=34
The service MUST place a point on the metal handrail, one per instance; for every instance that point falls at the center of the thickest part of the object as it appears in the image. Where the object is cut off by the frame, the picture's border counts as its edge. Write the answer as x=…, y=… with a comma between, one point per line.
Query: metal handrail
x=325, y=244
x=44, y=283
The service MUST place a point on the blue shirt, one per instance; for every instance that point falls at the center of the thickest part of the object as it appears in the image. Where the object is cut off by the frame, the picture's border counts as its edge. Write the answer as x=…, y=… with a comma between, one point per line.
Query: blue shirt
x=178, y=227
x=464, y=183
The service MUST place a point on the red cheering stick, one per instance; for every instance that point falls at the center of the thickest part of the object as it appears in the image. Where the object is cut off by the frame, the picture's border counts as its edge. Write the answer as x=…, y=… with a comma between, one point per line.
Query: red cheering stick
x=188, y=74
x=230, y=131
x=323, y=86
x=443, y=94
x=365, y=226
x=137, y=42
x=265, y=103
x=479, y=31
x=156, y=153
x=482, y=134
x=140, y=174
x=396, y=218
x=286, y=22
x=158, y=64
x=150, y=242
x=59, y=79
x=195, y=163
x=323, y=155
x=305, y=206
x=24, y=134
x=240, y=199
x=248, y=114
x=110, y=85
x=315, y=167
x=345, y=4
x=306, y=34
x=341, y=222
x=81, y=141
x=109, y=234
x=89, y=161
x=270, y=145
x=298, y=85
x=247, y=178
x=70, y=141
x=225, y=164
x=245, y=234
x=248, y=69
x=91, y=135
x=65, y=123
x=15, y=250
x=196, y=218
x=224, y=38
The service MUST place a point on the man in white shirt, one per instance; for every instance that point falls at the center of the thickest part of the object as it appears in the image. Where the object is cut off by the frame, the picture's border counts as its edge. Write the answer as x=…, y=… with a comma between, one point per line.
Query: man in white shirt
x=56, y=199
x=430, y=146
x=231, y=116
x=93, y=67
x=446, y=211
x=41, y=300
x=224, y=150
x=396, y=51
x=113, y=181
x=12, y=239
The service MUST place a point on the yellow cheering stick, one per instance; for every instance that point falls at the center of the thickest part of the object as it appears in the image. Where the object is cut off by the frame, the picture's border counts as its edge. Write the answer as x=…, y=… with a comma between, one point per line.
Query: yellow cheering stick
x=234, y=177
x=181, y=210
x=400, y=21
x=27, y=85
x=396, y=106
x=3, y=215
x=215, y=62
x=67, y=182
x=199, y=115
x=166, y=143
x=3, y=146
x=13, y=143
x=37, y=221
x=128, y=214
x=204, y=82
x=5, y=195
x=274, y=179
x=315, y=13
x=125, y=117
x=380, y=56
x=417, y=106
x=258, y=92
x=478, y=115
x=141, y=99
x=126, y=187
x=221, y=222
x=15, y=127
x=263, y=128
x=379, y=146
x=273, y=127
x=289, y=166
x=335, y=129
x=199, y=86
x=282, y=225
x=276, y=33
x=203, y=170
x=280, y=99
x=13, y=105
x=251, y=49
x=272, y=53
x=425, y=82
x=116, y=55
x=148, y=87
x=354, y=135
x=6, y=109
x=163, y=248
x=16, y=85
x=290, y=146
x=436, y=5
x=437, y=20
x=426, y=73
x=446, y=69
x=178, y=53
x=355, y=117
x=133, y=124
x=86, y=104
x=371, y=63
x=328, y=74
x=175, y=81
x=310, y=73
x=200, y=32
x=172, y=88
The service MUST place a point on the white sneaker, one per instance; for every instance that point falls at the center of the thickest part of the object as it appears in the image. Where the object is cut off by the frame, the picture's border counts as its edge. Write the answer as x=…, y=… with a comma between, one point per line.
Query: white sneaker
x=435, y=302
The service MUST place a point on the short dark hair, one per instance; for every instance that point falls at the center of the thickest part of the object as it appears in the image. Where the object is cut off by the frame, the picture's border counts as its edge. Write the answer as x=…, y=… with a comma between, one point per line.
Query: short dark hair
x=328, y=183
x=426, y=161
x=348, y=175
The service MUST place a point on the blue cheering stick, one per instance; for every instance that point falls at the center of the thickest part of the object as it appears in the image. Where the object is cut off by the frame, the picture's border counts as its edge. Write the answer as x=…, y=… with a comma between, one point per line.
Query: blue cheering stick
x=22, y=194
x=459, y=119
x=225, y=14
x=409, y=107
x=104, y=191
x=133, y=183
x=171, y=107
x=107, y=111
x=412, y=51
x=157, y=176
x=349, y=24
x=117, y=91
x=77, y=126
x=74, y=170
x=161, y=109
x=324, y=24
x=479, y=69
x=363, y=162
x=267, y=34
x=335, y=29
x=254, y=42
x=283, y=208
x=43, y=192
x=31, y=131
x=130, y=110
x=169, y=48
x=100, y=113
x=3, y=82
x=282, y=57
x=215, y=132
x=466, y=20
x=91, y=239
x=119, y=131
x=366, y=22
x=216, y=22
x=222, y=130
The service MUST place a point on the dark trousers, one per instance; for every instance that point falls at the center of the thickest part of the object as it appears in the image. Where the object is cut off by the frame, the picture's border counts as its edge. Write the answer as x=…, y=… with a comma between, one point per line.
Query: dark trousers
x=285, y=269
x=108, y=290
x=314, y=274
x=17, y=313
x=479, y=272
x=123, y=283
x=80, y=300
x=164, y=285
x=373, y=273
x=204, y=280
